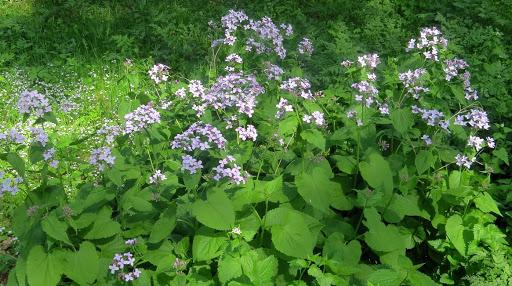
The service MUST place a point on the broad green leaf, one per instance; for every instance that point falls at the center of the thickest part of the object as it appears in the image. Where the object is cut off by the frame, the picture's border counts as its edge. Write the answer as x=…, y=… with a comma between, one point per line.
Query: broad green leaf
x=17, y=163
x=43, y=268
x=314, y=137
x=377, y=173
x=207, y=244
x=419, y=279
x=502, y=154
x=346, y=164
x=342, y=258
x=259, y=267
x=455, y=232
x=424, y=160
x=288, y=125
x=216, y=212
x=104, y=226
x=164, y=225
x=55, y=228
x=316, y=189
x=402, y=120
x=293, y=239
x=486, y=203
x=82, y=266
x=385, y=238
x=229, y=268
x=386, y=277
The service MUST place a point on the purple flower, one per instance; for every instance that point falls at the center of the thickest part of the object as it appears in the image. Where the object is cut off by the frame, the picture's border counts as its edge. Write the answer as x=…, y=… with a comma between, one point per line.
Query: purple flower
x=157, y=177
x=346, y=63
x=131, y=242
x=234, y=173
x=370, y=60
x=198, y=137
x=283, y=107
x=32, y=102
x=429, y=43
x=490, y=142
x=9, y=185
x=234, y=58
x=426, y=139
x=101, y=158
x=384, y=109
x=190, y=164
x=462, y=160
x=273, y=72
x=317, y=117
x=478, y=119
x=298, y=86
x=140, y=118
x=159, y=73
x=475, y=141
x=305, y=47
x=248, y=132
x=39, y=135
x=287, y=29
x=411, y=81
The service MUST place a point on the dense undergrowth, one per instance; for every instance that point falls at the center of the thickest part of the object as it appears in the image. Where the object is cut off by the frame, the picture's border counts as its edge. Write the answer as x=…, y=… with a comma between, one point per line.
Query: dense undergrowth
x=298, y=144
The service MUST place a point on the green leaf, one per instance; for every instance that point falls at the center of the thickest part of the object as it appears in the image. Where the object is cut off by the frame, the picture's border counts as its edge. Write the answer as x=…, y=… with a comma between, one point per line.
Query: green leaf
x=386, y=277
x=377, y=173
x=402, y=120
x=216, y=212
x=288, y=125
x=104, y=226
x=346, y=164
x=342, y=258
x=455, y=232
x=17, y=163
x=424, y=160
x=486, y=203
x=290, y=232
x=259, y=267
x=77, y=262
x=43, y=268
x=207, y=244
x=55, y=228
x=419, y=279
x=316, y=189
x=229, y=268
x=385, y=238
x=164, y=225
x=314, y=137
x=502, y=154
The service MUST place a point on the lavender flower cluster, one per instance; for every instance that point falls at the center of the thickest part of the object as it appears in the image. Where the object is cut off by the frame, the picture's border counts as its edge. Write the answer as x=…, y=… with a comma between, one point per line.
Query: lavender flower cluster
x=101, y=158
x=430, y=42
x=199, y=136
x=49, y=156
x=475, y=118
x=433, y=117
x=110, y=132
x=157, y=177
x=273, y=72
x=119, y=262
x=233, y=173
x=190, y=164
x=39, y=135
x=9, y=185
x=412, y=82
x=316, y=117
x=140, y=118
x=305, y=47
x=247, y=133
x=13, y=135
x=282, y=107
x=298, y=86
x=452, y=69
x=32, y=102
x=159, y=73
x=370, y=61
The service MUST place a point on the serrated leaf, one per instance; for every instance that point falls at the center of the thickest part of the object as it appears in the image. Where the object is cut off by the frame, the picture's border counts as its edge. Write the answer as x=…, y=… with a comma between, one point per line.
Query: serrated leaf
x=402, y=120
x=314, y=137
x=207, y=244
x=316, y=189
x=455, y=232
x=55, y=228
x=386, y=277
x=104, y=226
x=77, y=262
x=216, y=212
x=164, y=225
x=486, y=203
x=424, y=160
x=43, y=268
x=229, y=268
x=17, y=163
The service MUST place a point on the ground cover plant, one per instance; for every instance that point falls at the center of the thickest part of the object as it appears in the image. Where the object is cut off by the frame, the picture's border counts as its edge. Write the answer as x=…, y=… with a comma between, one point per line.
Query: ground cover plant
x=245, y=172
